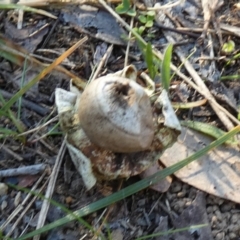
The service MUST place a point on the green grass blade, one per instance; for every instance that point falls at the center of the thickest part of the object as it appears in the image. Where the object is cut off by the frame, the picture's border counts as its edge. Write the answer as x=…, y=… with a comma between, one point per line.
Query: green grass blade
x=207, y=129
x=231, y=77
x=149, y=60
x=26, y=9
x=165, y=69
x=55, y=203
x=136, y=187
x=22, y=83
x=9, y=114
x=173, y=231
x=7, y=132
x=42, y=74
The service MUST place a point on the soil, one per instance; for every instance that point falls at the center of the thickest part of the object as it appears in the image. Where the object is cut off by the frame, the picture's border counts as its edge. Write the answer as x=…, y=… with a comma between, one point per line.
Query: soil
x=146, y=212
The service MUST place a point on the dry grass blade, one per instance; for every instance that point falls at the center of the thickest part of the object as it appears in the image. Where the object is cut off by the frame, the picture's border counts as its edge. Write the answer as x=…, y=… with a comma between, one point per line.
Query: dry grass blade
x=93, y=207
x=200, y=86
x=42, y=74
x=19, y=55
x=22, y=205
x=26, y=9
x=50, y=188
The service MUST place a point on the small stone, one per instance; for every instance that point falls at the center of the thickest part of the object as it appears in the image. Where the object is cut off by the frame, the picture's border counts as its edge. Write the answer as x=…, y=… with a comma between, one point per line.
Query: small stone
x=220, y=201
x=220, y=236
x=117, y=234
x=233, y=228
x=176, y=208
x=222, y=225
x=188, y=203
x=209, y=209
x=17, y=199
x=215, y=208
x=181, y=203
x=214, y=220
x=181, y=194
x=69, y=200
x=226, y=207
x=210, y=215
x=3, y=205
x=177, y=187
x=227, y=216
x=232, y=235
x=141, y=202
x=214, y=233
x=218, y=215
x=3, y=189
x=235, y=218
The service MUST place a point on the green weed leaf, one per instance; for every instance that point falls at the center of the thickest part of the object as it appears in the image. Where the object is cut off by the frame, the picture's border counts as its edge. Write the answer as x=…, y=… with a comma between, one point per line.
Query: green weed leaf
x=149, y=60
x=142, y=19
x=124, y=7
x=136, y=187
x=131, y=12
x=228, y=47
x=165, y=71
x=149, y=24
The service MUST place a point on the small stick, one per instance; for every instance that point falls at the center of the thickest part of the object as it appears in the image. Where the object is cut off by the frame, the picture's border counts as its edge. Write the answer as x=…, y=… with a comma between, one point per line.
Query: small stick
x=50, y=33
x=128, y=46
x=50, y=188
x=28, y=170
x=28, y=104
x=22, y=205
x=38, y=128
x=103, y=60
x=25, y=209
x=10, y=152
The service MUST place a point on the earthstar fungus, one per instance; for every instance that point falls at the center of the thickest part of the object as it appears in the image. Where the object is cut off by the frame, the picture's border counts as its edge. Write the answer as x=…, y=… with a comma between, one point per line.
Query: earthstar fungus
x=112, y=128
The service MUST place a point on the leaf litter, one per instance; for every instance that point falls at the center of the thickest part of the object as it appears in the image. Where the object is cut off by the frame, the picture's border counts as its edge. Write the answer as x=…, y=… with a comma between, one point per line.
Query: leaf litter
x=213, y=174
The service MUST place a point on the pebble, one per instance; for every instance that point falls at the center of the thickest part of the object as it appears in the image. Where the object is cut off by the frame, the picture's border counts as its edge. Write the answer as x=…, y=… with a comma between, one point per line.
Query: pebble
x=214, y=220
x=220, y=236
x=176, y=187
x=209, y=209
x=181, y=194
x=234, y=228
x=223, y=215
x=3, y=189
x=117, y=234
x=226, y=207
x=227, y=216
x=17, y=199
x=235, y=218
x=215, y=208
x=232, y=235
x=218, y=215
x=141, y=202
x=3, y=205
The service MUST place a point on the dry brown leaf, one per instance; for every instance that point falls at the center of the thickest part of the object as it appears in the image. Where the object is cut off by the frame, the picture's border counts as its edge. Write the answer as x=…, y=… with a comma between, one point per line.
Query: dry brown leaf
x=161, y=186
x=94, y=22
x=217, y=172
x=194, y=214
x=27, y=180
x=29, y=37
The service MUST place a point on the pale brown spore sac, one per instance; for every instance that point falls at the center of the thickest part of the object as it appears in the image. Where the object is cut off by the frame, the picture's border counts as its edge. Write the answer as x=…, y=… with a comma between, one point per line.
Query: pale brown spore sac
x=115, y=113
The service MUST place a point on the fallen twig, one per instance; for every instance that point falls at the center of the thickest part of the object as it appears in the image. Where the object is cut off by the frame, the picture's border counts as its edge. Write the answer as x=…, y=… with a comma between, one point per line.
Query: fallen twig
x=22, y=205
x=222, y=113
x=50, y=188
x=28, y=104
x=27, y=170
x=10, y=152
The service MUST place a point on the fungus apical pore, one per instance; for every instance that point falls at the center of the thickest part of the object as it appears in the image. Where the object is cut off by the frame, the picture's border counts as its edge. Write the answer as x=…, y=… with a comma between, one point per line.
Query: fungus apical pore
x=115, y=113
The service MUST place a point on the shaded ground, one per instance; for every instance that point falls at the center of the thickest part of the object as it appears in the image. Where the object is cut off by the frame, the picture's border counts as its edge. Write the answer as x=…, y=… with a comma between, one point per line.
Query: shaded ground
x=144, y=213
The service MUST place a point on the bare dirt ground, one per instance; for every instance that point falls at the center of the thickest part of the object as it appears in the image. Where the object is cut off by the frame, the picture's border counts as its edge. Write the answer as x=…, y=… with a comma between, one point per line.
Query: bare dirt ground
x=146, y=212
